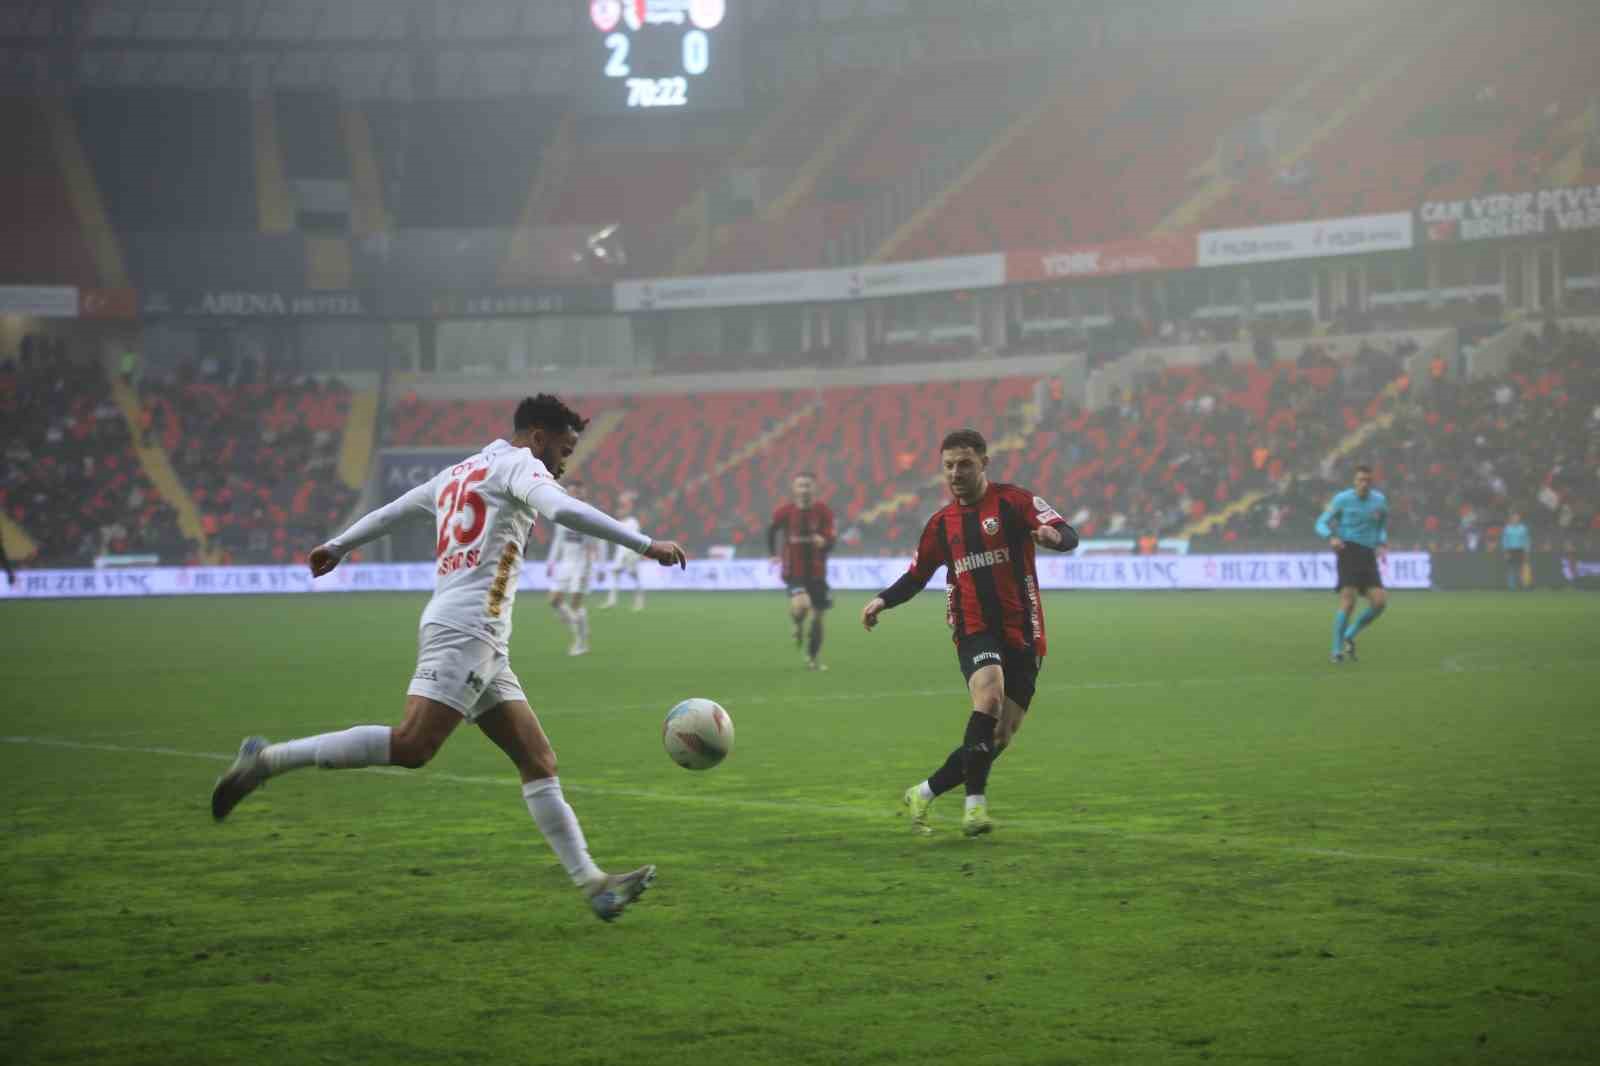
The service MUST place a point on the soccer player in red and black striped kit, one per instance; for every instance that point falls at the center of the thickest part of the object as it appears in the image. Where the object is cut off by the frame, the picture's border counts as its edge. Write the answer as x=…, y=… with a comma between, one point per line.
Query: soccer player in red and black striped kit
x=985, y=538
x=807, y=528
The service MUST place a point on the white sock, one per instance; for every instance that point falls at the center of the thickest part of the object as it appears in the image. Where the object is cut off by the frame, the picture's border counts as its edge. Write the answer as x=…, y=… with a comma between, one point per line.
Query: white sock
x=559, y=825
x=570, y=618
x=581, y=617
x=925, y=791
x=362, y=745
x=638, y=601
x=973, y=801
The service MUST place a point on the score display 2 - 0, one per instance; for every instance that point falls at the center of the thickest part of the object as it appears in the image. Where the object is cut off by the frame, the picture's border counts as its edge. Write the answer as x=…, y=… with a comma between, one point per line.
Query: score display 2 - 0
x=655, y=54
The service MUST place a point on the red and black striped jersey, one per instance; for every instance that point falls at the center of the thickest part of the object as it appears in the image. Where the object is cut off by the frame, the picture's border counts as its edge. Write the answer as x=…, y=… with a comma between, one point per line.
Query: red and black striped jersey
x=803, y=559
x=987, y=549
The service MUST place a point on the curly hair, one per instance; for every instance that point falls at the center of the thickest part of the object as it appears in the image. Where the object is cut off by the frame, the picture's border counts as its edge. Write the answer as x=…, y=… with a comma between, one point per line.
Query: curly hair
x=546, y=411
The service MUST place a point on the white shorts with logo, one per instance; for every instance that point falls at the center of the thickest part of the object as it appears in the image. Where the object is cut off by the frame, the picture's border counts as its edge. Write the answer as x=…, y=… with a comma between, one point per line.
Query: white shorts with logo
x=572, y=578
x=462, y=671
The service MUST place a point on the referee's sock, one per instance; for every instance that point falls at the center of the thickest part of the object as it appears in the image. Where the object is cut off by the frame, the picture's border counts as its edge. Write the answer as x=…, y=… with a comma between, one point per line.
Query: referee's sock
x=1339, y=620
x=1365, y=619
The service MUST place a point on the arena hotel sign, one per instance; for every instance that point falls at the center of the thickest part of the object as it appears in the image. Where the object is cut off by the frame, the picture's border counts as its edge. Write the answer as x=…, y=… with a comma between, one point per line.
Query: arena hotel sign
x=1517, y=214
x=262, y=303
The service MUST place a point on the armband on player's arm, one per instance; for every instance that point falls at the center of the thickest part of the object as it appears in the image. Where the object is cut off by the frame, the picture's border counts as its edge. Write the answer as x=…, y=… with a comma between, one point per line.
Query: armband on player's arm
x=418, y=503
x=551, y=501
x=902, y=590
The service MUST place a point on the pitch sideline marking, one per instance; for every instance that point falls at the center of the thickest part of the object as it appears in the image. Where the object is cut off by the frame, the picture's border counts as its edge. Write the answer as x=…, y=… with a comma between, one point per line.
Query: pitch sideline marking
x=870, y=813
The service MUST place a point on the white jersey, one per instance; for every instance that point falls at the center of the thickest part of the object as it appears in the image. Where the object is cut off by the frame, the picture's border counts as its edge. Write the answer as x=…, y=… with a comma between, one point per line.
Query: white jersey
x=483, y=509
x=625, y=556
x=571, y=549
x=481, y=521
x=482, y=516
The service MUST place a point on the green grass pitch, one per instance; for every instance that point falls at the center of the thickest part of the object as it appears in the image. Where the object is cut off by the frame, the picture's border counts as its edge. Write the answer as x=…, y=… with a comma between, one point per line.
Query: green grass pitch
x=1212, y=845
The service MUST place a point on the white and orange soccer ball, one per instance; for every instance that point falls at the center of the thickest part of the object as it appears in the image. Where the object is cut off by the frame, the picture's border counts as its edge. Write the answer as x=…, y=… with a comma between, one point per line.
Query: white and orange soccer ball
x=698, y=734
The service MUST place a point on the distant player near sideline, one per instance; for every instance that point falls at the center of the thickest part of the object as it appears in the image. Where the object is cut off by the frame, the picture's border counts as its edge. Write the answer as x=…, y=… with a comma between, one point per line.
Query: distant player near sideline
x=985, y=538
x=570, y=565
x=1515, y=542
x=1356, y=524
x=805, y=525
x=483, y=509
x=625, y=563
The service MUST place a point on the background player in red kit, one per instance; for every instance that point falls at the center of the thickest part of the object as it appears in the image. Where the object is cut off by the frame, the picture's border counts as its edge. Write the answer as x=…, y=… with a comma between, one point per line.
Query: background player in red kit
x=985, y=537
x=806, y=526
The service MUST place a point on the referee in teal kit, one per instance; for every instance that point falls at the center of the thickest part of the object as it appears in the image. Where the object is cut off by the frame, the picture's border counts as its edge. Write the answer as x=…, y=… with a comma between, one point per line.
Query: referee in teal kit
x=1356, y=524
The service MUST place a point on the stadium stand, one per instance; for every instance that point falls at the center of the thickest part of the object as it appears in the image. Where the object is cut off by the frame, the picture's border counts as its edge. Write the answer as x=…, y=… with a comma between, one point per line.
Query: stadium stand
x=1460, y=456
x=70, y=475
x=1444, y=130
x=1110, y=160
x=258, y=451
x=170, y=159
x=35, y=210
x=1179, y=443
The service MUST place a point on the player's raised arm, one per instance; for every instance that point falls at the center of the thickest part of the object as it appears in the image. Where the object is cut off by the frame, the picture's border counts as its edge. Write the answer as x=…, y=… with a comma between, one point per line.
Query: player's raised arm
x=417, y=503
x=925, y=563
x=548, y=498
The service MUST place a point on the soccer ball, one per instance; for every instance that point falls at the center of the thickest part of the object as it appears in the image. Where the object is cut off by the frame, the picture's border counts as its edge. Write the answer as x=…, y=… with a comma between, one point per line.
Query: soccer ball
x=697, y=734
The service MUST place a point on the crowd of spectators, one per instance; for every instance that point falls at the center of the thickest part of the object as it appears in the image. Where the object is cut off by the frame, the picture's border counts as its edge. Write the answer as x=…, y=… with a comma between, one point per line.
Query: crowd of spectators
x=1184, y=442
x=257, y=447
x=69, y=476
x=1460, y=457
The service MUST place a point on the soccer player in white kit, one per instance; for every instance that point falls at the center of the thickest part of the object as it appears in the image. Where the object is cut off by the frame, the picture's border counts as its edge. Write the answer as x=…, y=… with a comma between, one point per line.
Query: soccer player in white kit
x=483, y=509
x=570, y=565
x=626, y=563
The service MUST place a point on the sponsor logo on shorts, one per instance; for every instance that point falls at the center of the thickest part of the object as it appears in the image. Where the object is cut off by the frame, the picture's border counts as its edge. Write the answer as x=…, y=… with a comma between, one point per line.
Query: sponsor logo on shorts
x=986, y=657
x=425, y=673
x=474, y=682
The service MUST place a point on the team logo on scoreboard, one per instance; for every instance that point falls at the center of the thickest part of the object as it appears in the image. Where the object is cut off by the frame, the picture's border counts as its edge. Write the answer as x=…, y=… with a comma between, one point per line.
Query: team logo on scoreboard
x=633, y=13
x=707, y=14
x=605, y=14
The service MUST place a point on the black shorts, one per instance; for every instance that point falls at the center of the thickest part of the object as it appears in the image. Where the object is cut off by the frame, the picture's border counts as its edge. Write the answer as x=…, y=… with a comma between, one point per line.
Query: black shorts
x=817, y=588
x=1021, y=667
x=1515, y=557
x=1358, y=568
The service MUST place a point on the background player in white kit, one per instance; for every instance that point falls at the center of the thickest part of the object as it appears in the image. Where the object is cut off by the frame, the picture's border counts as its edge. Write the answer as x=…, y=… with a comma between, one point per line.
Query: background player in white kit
x=625, y=564
x=570, y=565
x=483, y=509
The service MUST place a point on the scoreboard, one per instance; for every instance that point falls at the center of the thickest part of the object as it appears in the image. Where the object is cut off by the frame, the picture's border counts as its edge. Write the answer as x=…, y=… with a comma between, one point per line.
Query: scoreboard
x=654, y=56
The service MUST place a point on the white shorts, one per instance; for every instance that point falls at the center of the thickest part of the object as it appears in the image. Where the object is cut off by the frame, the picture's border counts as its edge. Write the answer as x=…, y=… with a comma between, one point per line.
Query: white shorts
x=461, y=671
x=572, y=579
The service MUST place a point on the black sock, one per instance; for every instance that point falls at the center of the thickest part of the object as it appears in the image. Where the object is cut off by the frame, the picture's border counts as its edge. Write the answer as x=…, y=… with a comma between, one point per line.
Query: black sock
x=948, y=776
x=816, y=635
x=954, y=770
x=978, y=752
